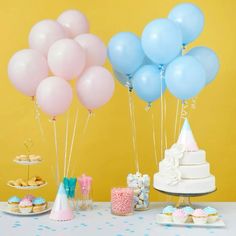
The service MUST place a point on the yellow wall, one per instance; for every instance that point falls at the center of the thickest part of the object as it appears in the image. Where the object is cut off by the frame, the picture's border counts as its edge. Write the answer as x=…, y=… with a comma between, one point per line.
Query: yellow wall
x=105, y=151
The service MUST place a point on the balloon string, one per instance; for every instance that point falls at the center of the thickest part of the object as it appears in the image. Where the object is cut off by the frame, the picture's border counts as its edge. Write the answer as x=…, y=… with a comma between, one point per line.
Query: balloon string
x=176, y=119
x=165, y=122
x=162, y=115
x=154, y=139
x=72, y=141
x=183, y=113
x=66, y=141
x=133, y=129
x=37, y=118
x=83, y=134
x=56, y=149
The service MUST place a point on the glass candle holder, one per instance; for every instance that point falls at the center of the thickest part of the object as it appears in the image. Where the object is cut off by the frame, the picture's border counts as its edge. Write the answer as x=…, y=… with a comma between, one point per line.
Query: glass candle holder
x=141, y=187
x=122, y=201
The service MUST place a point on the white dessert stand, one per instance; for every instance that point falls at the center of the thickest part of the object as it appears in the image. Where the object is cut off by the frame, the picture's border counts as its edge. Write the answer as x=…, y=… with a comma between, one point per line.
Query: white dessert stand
x=184, y=198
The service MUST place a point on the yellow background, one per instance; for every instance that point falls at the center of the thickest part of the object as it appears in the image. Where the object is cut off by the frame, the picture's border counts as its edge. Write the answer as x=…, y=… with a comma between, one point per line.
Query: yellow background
x=105, y=151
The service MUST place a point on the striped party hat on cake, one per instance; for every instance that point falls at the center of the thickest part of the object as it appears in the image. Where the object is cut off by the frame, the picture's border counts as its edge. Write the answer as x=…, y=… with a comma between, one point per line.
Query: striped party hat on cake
x=61, y=209
x=186, y=138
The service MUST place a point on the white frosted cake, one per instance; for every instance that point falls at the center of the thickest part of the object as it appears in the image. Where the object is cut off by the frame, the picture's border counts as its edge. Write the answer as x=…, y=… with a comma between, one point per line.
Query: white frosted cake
x=184, y=168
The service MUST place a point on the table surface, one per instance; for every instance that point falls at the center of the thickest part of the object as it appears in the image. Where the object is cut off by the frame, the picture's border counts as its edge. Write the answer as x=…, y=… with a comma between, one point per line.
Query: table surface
x=100, y=221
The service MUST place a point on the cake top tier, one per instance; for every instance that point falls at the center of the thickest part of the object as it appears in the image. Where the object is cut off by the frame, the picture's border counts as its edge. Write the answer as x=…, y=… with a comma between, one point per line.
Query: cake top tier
x=186, y=138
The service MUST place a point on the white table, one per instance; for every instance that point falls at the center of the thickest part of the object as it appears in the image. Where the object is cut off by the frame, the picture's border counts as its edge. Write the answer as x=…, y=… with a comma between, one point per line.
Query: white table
x=100, y=222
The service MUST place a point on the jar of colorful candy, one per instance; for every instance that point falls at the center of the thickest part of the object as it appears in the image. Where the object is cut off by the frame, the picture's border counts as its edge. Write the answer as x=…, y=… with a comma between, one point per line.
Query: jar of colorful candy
x=122, y=201
x=141, y=187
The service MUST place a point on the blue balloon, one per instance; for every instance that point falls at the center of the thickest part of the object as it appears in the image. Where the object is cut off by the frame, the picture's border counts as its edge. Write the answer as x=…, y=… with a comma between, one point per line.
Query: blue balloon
x=208, y=59
x=125, y=52
x=147, y=83
x=185, y=77
x=162, y=41
x=190, y=19
x=123, y=79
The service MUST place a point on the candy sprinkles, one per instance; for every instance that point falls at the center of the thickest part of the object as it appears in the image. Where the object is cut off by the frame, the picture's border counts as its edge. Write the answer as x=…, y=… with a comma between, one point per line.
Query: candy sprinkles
x=122, y=201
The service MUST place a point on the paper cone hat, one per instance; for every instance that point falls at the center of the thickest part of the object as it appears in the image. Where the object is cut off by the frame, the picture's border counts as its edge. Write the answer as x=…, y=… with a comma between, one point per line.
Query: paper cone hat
x=61, y=209
x=186, y=138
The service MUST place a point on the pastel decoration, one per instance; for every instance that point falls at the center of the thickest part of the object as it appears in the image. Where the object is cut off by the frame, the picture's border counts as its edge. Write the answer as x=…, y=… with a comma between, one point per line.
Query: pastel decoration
x=26, y=69
x=72, y=185
x=54, y=95
x=190, y=19
x=185, y=77
x=188, y=210
x=14, y=199
x=162, y=41
x=66, y=59
x=66, y=186
x=125, y=52
x=210, y=210
x=44, y=34
x=38, y=201
x=209, y=60
x=95, y=87
x=74, y=23
x=95, y=49
x=61, y=210
x=186, y=138
x=168, y=210
x=85, y=183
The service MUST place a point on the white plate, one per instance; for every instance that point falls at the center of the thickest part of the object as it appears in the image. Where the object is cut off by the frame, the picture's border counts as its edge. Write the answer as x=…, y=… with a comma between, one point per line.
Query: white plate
x=27, y=163
x=5, y=210
x=28, y=187
x=160, y=220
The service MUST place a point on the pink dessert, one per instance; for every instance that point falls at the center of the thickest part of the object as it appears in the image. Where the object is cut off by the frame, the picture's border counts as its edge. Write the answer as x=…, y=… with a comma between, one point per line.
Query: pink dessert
x=179, y=216
x=29, y=197
x=25, y=206
x=199, y=216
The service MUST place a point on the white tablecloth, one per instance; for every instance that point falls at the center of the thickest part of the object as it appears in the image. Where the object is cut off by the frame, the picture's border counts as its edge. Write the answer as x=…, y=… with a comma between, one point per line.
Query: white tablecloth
x=99, y=221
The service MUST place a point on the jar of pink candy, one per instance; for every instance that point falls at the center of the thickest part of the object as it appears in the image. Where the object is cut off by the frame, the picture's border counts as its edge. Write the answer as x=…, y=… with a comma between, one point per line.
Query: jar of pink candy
x=122, y=201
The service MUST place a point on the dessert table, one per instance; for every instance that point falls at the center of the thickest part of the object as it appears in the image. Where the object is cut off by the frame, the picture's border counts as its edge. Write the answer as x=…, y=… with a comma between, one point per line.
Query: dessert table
x=99, y=221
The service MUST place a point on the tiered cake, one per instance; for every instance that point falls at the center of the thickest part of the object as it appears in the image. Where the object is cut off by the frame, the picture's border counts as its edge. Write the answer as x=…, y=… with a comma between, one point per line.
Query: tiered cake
x=184, y=168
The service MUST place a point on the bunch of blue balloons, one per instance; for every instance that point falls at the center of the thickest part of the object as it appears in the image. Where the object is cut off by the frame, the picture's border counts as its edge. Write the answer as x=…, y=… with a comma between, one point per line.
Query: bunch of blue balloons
x=155, y=62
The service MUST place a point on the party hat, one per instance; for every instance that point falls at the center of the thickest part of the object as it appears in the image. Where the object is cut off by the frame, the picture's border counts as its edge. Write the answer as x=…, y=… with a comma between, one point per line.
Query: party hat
x=186, y=138
x=61, y=210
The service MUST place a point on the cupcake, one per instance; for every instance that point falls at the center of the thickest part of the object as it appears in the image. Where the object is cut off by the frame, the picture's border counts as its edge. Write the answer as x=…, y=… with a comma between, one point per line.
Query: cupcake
x=25, y=206
x=167, y=213
x=39, y=204
x=179, y=216
x=13, y=204
x=189, y=211
x=199, y=216
x=212, y=214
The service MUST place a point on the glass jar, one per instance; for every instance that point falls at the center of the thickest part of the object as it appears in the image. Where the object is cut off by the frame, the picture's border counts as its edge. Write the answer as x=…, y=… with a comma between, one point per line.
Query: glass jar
x=85, y=201
x=122, y=201
x=141, y=187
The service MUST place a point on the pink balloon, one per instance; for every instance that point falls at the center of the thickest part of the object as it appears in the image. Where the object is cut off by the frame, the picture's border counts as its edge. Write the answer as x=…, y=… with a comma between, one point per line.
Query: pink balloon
x=54, y=95
x=95, y=49
x=44, y=34
x=95, y=87
x=26, y=69
x=66, y=58
x=74, y=23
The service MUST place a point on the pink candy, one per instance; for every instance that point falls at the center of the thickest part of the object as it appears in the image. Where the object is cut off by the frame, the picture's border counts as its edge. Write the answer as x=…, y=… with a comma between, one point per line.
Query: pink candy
x=122, y=201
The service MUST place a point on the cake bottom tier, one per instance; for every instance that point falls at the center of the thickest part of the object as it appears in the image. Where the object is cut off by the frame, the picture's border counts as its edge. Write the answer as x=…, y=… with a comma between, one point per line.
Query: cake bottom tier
x=185, y=186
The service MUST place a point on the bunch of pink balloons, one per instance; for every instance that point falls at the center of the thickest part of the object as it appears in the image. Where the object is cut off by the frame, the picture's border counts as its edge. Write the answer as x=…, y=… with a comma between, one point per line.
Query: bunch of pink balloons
x=65, y=49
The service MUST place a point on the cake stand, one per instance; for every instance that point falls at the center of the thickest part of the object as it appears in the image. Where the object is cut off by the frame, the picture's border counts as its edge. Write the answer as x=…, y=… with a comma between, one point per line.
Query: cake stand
x=184, y=198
